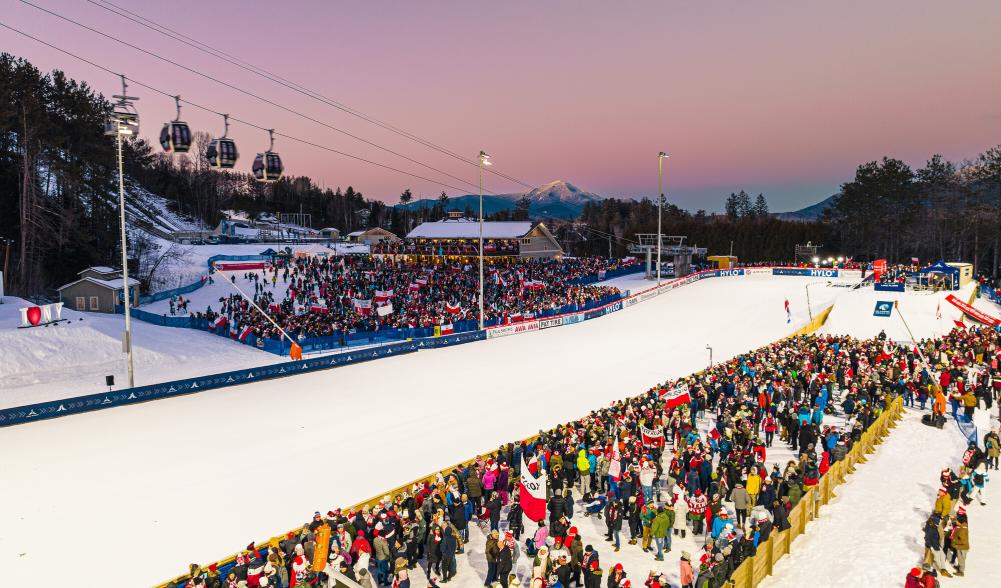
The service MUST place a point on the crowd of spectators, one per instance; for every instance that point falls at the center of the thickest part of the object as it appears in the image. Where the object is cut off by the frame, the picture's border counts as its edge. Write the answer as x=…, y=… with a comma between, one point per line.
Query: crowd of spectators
x=693, y=476
x=333, y=296
x=450, y=247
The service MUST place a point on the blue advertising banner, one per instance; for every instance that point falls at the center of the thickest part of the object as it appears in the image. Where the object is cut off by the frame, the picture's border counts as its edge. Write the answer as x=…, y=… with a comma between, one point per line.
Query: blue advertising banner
x=893, y=287
x=805, y=271
x=883, y=308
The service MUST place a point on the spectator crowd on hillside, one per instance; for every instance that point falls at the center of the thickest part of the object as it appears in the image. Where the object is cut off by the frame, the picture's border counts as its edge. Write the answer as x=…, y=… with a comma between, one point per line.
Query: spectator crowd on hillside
x=450, y=247
x=682, y=467
x=332, y=296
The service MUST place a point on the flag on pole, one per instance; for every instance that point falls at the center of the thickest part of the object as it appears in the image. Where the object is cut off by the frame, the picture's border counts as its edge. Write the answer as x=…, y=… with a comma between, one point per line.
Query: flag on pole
x=676, y=396
x=245, y=333
x=532, y=493
x=960, y=324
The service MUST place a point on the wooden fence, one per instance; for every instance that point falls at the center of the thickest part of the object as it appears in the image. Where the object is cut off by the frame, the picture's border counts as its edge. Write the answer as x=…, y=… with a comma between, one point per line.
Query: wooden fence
x=754, y=569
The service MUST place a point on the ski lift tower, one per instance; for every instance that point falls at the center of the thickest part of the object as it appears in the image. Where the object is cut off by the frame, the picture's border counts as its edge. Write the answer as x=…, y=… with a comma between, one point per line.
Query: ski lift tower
x=672, y=246
x=807, y=253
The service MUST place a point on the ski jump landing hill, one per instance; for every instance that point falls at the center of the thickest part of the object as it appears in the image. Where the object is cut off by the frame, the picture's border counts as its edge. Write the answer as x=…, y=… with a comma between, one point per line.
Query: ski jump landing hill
x=64, y=406
x=188, y=475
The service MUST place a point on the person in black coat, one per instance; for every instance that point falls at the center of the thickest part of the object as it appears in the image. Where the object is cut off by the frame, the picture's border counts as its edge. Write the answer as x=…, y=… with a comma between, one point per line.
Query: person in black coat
x=448, y=548
x=557, y=508
x=495, y=510
x=515, y=519
x=505, y=563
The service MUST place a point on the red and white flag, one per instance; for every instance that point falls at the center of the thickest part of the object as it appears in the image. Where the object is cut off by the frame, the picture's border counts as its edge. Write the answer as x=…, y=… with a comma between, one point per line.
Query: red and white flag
x=244, y=333
x=652, y=437
x=220, y=322
x=960, y=324
x=452, y=308
x=676, y=396
x=362, y=307
x=384, y=309
x=534, y=285
x=382, y=296
x=447, y=329
x=532, y=493
x=915, y=261
x=615, y=463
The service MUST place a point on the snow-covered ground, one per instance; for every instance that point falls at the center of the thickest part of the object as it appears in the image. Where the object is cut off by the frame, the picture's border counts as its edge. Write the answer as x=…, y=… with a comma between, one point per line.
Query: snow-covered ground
x=190, y=262
x=187, y=479
x=853, y=314
x=71, y=358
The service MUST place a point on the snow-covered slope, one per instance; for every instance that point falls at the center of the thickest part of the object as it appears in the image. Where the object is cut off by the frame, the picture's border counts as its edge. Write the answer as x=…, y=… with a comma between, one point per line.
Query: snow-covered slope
x=71, y=358
x=853, y=314
x=130, y=469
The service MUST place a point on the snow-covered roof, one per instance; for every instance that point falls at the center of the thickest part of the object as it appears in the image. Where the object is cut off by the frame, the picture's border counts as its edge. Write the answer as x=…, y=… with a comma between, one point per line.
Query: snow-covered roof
x=470, y=229
x=356, y=233
x=101, y=269
x=115, y=284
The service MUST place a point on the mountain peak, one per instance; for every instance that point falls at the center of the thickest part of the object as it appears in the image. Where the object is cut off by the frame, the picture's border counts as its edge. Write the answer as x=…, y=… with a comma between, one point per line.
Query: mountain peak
x=561, y=191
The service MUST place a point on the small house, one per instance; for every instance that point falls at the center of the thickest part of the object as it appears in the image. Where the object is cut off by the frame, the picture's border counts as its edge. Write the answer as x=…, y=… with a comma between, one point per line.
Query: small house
x=373, y=236
x=99, y=289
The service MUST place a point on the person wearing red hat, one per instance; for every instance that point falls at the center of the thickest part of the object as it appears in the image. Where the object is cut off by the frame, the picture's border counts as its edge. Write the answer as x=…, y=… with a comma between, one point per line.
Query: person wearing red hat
x=913, y=579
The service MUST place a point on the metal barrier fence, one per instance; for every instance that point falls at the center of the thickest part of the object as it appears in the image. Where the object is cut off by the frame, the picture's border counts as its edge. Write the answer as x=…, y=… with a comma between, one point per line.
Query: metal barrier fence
x=756, y=568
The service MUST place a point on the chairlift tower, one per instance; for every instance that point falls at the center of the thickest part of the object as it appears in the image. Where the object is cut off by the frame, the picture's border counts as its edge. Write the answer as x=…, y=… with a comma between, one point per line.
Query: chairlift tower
x=806, y=253
x=670, y=246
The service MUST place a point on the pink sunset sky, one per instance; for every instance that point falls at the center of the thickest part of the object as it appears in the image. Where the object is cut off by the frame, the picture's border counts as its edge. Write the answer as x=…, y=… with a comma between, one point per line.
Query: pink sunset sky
x=784, y=98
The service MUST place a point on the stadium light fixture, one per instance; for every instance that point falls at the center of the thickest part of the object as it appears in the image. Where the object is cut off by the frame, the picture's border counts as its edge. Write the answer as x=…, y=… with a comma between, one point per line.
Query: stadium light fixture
x=660, y=204
x=484, y=161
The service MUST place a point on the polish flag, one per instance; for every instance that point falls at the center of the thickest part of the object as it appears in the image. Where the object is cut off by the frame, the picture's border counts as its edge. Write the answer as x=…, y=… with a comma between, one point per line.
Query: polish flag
x=676, y=396
x=532, y=493
x=362, y=307
x=220, y=322
x=615, y=464
x=453, y=308
x=652, y=437
x=447, y=329
x=245, y=333
x=382, y=296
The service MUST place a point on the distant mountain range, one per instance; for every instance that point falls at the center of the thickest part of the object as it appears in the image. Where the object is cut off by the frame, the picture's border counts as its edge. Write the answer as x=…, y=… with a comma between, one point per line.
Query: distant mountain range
x=810, y=213
x=558, y=199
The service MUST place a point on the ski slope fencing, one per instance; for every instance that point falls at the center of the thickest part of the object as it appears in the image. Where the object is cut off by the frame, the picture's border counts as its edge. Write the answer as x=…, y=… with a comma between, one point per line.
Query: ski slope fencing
x=756, y=568
x=80, y=404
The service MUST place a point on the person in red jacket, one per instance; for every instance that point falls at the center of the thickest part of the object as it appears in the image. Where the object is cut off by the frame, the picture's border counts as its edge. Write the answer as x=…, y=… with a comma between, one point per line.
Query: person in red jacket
x=913, y=579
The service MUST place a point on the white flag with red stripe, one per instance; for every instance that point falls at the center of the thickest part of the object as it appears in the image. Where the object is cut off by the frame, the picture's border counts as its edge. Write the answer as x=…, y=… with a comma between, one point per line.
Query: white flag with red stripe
x=676, y=396
x=615, y=464
x=652, y=437
x=532, y=493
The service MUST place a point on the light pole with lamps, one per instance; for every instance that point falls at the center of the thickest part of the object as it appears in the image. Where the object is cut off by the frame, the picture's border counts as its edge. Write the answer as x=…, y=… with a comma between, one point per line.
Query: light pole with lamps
x=660, y=203
x=484, y=161
x=124, y=121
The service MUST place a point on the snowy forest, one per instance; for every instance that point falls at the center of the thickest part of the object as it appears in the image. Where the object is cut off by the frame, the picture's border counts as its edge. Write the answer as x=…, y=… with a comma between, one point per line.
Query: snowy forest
x=59, y=212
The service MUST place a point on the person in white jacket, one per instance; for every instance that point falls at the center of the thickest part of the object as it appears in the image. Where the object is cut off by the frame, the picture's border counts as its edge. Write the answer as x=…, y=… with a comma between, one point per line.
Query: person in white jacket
x=648, y=473
x=680, y=513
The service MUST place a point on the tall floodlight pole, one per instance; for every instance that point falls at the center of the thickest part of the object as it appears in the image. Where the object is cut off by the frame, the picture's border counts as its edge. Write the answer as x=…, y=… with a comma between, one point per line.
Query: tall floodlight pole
x=660, y=203
x=124, y=121
x=484, y=161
